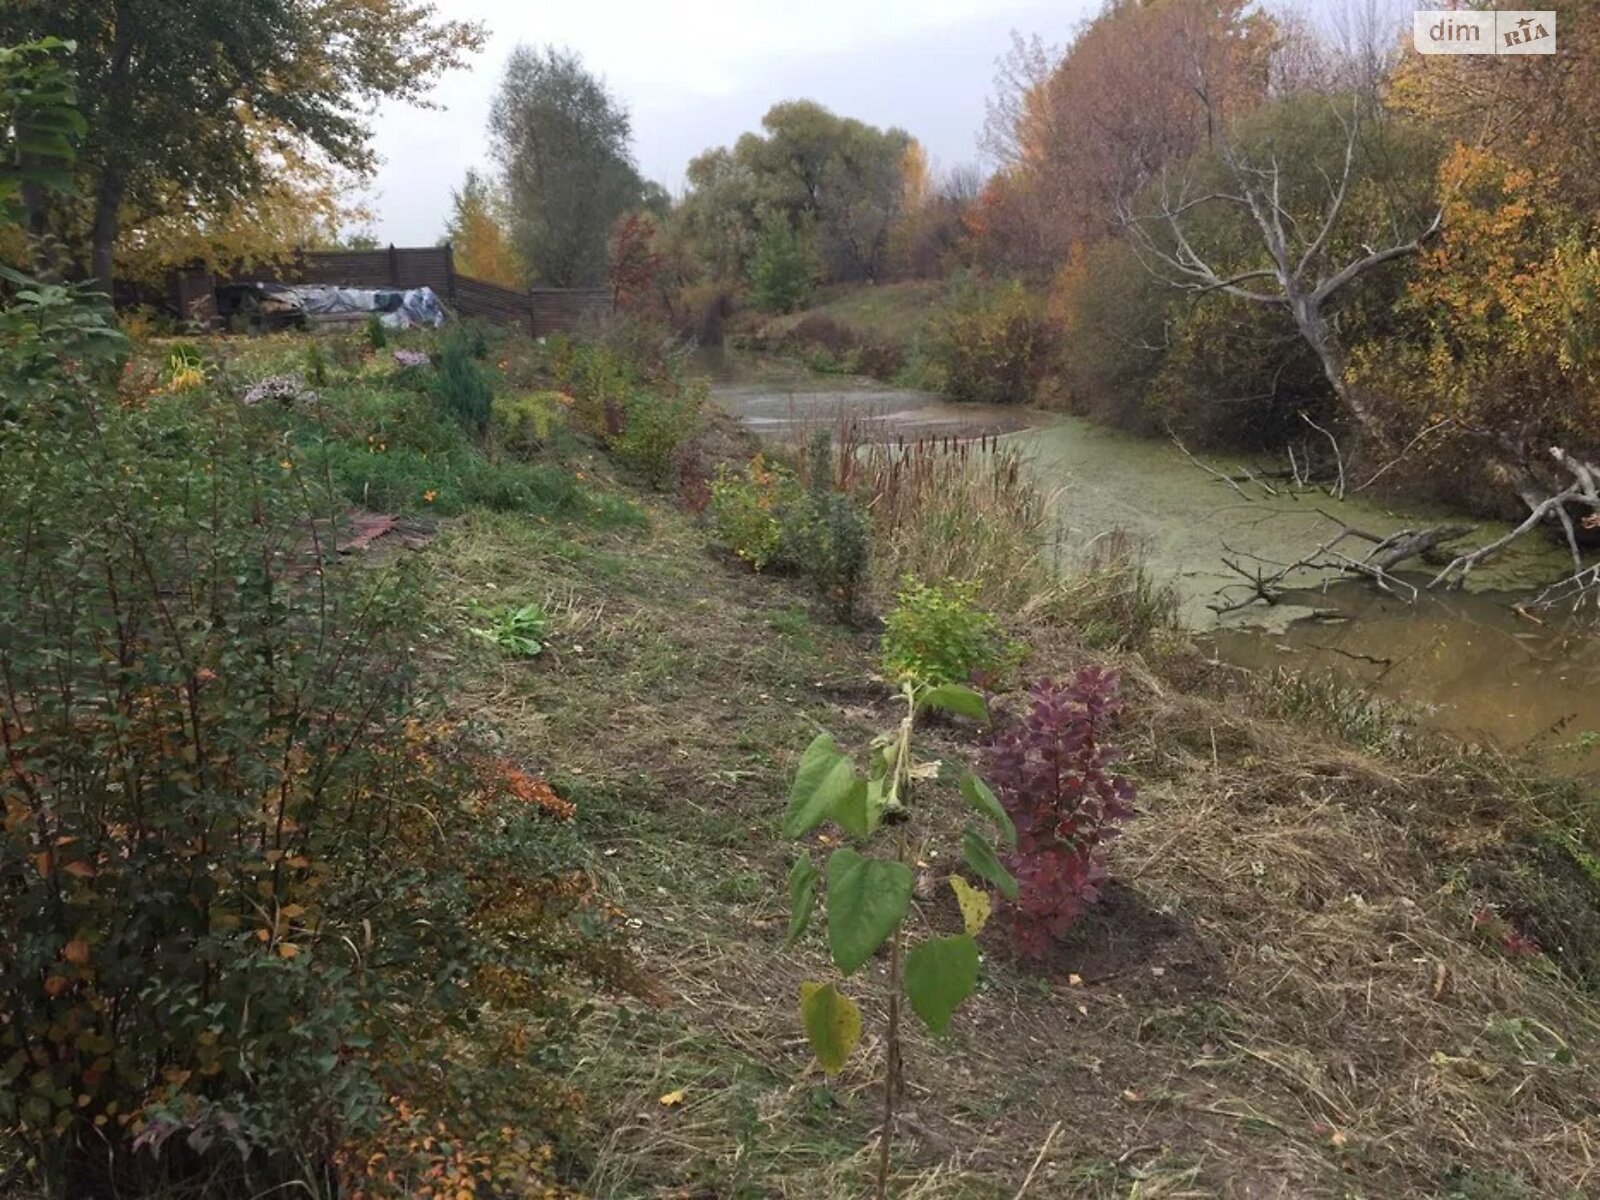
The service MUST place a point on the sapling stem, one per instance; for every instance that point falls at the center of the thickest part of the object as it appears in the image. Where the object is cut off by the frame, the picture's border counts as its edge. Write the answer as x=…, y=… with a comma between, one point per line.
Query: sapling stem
x=891, y=1066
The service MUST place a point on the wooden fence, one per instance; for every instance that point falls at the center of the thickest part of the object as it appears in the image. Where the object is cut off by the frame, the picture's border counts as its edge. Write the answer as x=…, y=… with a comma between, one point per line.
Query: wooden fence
x=538, y=312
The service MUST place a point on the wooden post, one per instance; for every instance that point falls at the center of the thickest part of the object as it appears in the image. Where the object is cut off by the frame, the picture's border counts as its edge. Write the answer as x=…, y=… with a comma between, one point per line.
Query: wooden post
x=394, y=266
x=450, y=271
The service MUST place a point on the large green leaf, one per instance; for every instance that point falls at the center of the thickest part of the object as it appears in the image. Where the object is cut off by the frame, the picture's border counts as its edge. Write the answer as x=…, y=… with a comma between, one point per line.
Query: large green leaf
x=821, y=782
x=940, y=974
x=983, y=800
x=856, y=810
x=953, y=698
x=980, y=856
x=803, y=880
x=832, y=1024
x=867, y=900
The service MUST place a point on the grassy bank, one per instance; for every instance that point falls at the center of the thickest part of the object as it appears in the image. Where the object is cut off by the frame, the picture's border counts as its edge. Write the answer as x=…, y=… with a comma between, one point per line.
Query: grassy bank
x=1285, y=991
x=1334, y=959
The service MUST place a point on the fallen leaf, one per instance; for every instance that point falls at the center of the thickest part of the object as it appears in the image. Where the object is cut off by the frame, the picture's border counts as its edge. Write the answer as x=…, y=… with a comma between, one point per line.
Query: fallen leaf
x=76, y=952
x=1074, y=980
x=288, y=950
x=672, y=1099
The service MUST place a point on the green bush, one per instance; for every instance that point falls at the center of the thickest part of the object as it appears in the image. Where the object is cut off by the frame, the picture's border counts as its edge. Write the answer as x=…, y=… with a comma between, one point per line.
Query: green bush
x=833, y=544
x=991, y=344
x=744, y=510
x=252, y=889
x=598, y=380
x=784, y=268
x=462, y=384
x=937, y=635
x=522, y=425
x=769, y=520
x=316, y=370
x=655, y=428
x=377, y=335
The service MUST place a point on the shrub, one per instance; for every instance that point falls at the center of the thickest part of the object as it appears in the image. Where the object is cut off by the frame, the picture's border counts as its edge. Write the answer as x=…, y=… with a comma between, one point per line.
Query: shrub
x=768, y=519
x=827, y=533
x=462, y=385
x=656, y=425
x=316, y=369
x=598, y=380
x=744, y=510
x=1050, y=771
x=878, y=359
x=828, y=538
x=54, y=340
x=523, y=424
x=253, y=892
x=784, y=268
x=991, y=344
x=377, y=335
x=938, y=635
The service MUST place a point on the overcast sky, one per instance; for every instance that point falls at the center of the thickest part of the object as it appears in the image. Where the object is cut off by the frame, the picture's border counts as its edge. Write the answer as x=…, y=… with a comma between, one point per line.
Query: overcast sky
x=697, y=73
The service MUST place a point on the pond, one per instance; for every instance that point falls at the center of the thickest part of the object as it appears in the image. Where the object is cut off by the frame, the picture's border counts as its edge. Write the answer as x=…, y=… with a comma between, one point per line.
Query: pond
x=1466, y=662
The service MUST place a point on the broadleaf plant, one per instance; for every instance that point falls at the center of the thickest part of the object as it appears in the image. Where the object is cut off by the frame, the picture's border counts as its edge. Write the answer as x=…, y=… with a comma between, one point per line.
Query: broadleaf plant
x=869, y=886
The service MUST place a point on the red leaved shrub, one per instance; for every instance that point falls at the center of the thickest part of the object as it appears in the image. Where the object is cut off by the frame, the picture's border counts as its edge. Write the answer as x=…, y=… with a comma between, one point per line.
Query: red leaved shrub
x=1049, y=768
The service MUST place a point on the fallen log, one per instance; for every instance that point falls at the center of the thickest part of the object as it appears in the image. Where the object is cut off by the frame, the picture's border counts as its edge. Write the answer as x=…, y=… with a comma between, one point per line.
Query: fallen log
x=1416, y=544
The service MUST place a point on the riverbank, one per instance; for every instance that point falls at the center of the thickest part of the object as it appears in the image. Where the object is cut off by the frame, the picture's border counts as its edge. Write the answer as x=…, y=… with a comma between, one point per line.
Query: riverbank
x=1334, y=957
x=1313, y=974
x=1295, y=985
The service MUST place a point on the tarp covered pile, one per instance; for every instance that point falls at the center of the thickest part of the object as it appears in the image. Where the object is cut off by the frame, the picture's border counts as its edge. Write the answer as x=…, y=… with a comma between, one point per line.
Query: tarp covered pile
x=274, y=303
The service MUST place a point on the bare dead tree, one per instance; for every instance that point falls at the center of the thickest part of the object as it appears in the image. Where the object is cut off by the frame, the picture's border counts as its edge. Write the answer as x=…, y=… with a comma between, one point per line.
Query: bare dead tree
x=1295, y=273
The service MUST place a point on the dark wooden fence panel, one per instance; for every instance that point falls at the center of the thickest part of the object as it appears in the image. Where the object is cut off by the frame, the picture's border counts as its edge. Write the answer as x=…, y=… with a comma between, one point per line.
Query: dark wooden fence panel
x=566, y=310
x=474, y=298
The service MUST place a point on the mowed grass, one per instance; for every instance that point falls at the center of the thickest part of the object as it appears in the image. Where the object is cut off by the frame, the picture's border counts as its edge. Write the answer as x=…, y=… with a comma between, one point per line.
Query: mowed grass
x=1283, y=995
x=895, y=313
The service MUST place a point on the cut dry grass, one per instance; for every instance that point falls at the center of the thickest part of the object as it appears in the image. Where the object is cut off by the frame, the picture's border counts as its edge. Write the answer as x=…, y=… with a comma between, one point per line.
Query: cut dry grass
x=1283, y=995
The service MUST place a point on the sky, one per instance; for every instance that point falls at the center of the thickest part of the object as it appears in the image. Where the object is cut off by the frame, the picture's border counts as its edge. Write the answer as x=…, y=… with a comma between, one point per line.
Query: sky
x=698, y=73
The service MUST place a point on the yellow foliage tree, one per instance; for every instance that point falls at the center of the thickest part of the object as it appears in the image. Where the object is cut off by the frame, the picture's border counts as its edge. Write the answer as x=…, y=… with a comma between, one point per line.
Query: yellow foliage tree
x=1499, y=343
x=481, y=239
x=304, y=201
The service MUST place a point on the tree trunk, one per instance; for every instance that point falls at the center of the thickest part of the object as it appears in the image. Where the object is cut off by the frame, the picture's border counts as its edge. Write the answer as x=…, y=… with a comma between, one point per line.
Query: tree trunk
x=107, y=224
x=1313, y=325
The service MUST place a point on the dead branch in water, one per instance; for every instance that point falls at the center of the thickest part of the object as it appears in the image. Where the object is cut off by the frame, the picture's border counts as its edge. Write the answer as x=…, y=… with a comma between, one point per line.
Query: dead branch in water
x=1376, y=566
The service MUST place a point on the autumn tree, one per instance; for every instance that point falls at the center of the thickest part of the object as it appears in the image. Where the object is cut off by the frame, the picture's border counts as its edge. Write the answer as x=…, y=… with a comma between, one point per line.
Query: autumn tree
x=1143, y=85
x=177, y=94
x=636, y=266
x=562, y=141
x=477, y=232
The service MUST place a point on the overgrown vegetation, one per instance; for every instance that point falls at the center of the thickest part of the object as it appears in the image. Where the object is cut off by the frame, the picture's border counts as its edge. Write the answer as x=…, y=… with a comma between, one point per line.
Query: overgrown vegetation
x=254, y=873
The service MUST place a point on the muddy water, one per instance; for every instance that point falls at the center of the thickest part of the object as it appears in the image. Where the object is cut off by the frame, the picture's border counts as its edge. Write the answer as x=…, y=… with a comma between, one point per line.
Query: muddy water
x=1464, y=662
